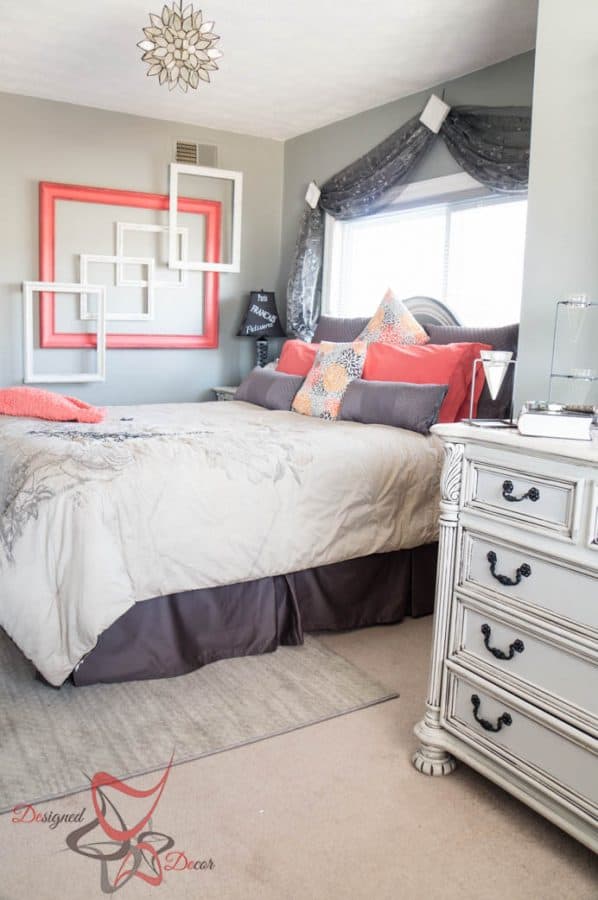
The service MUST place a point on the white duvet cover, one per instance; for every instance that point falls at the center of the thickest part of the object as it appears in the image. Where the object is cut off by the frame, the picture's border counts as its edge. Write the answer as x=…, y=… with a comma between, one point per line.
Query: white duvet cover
x=159, y=499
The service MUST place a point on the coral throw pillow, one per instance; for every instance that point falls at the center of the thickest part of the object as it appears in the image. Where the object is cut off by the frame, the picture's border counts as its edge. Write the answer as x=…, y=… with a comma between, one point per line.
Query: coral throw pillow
x=449, y=364
x=393, y=324
x=297, y=357
x=334, y=368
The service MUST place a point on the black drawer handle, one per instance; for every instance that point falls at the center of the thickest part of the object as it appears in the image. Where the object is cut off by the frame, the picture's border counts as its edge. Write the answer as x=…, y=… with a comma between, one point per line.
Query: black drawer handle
x=524, y=571
x=503, y=719
x=516, y=647
x=507, y=491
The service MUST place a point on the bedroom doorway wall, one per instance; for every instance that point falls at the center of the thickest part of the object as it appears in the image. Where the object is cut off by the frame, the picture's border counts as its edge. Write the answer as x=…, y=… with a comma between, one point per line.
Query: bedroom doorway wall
x=562, y=230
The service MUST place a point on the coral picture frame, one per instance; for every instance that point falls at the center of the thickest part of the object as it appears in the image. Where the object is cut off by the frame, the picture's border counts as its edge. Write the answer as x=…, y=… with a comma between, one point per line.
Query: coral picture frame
x=50, y=193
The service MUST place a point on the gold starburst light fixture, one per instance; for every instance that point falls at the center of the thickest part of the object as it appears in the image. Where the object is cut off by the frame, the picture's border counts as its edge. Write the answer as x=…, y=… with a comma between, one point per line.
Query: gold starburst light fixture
x=179, y=47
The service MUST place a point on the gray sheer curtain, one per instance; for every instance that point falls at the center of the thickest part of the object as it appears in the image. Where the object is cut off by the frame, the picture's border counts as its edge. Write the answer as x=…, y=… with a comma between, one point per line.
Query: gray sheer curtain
x=491, y=145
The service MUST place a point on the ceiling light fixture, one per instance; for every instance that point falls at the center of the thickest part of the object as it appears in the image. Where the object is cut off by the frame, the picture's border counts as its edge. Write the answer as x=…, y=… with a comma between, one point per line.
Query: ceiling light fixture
x=179, y=47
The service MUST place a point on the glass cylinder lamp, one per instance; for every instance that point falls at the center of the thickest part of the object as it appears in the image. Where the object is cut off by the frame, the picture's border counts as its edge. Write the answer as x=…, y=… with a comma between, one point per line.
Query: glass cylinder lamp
x=261, y=322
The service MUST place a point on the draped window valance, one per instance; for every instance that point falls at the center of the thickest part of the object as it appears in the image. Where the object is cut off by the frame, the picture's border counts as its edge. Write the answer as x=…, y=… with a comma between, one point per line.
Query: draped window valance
x=490, y=144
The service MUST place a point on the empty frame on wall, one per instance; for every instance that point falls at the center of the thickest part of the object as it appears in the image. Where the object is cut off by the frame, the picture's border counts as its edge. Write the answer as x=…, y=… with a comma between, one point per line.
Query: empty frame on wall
x=130, y=228
x=150, y=262
x=147, y=284
x=208, y=212
x=226, y=182
x=30, y=288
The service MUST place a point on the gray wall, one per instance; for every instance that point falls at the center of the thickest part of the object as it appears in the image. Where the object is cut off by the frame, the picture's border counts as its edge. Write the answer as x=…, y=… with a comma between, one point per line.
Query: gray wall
x=319, y=154
x=562, y=230
x=46, y=141
x=50, y=141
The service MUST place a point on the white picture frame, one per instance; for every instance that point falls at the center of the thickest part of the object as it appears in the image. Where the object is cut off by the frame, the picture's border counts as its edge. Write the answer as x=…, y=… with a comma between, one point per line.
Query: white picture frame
x=177, y=169
x=56, y=287
x=85, y=259
x=121, y=230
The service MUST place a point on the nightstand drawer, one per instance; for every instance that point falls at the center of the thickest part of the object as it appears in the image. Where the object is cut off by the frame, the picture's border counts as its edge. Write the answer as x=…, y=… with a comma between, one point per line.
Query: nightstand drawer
x=533, y=499
x=554, y=755
x=594, y=518
x=553, y=673
x=548, y=588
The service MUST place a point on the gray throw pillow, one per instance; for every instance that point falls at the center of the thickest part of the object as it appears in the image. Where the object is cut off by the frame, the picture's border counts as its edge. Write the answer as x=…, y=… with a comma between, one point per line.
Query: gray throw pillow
x=500, y=337
x=397, y=403
x=269, y=388
x=338, y=330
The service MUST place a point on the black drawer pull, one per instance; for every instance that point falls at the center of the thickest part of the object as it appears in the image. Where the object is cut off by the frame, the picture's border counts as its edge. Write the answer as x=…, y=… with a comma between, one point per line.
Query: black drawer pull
x=524, y=571
x=507, y=491
x=503, y=719
x=516, y=647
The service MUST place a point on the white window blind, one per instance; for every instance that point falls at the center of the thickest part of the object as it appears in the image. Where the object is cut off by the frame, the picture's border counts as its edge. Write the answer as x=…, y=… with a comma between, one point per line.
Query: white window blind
x=467, y=253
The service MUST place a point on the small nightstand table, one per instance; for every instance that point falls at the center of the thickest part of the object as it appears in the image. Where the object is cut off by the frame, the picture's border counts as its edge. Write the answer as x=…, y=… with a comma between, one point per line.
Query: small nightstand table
x=225, y=392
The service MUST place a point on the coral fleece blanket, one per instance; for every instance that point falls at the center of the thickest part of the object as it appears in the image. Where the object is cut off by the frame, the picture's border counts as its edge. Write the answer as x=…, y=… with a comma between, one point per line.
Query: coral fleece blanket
x=33, y=403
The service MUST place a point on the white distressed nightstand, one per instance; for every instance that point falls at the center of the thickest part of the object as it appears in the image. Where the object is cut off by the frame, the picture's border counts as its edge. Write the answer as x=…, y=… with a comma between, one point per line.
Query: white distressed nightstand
x=225, y=392
x=513, y=688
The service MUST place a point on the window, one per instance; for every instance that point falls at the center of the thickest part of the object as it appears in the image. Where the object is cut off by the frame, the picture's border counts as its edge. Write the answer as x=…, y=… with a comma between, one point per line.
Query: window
x=466, y=253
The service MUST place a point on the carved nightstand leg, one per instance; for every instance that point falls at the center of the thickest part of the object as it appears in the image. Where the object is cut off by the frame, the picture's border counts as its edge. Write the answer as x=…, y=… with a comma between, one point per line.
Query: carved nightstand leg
x=431, y=758
x=433, y=762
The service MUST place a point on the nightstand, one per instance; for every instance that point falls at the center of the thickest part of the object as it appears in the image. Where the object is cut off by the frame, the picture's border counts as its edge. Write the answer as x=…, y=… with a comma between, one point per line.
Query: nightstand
x=225, y=392
x=513, y=688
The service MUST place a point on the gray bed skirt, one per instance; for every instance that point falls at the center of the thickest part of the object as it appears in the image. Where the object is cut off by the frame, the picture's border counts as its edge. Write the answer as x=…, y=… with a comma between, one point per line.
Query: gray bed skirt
x=173, y=635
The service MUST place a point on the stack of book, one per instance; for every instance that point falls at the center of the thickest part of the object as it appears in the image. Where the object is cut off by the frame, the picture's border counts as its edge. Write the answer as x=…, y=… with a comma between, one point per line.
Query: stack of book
x=556, y=421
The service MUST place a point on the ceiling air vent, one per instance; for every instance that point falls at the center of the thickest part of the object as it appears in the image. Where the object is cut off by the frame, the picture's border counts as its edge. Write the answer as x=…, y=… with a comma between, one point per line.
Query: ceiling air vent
x=194, y=154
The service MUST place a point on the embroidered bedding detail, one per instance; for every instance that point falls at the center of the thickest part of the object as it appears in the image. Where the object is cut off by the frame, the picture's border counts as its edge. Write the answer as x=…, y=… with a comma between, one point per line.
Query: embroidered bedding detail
x=393, y=324
x=52, y=461
x=334, y=368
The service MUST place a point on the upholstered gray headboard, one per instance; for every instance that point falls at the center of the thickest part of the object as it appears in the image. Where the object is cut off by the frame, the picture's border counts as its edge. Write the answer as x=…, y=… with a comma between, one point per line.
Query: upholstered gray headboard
x=426, y=310
x=429, y=311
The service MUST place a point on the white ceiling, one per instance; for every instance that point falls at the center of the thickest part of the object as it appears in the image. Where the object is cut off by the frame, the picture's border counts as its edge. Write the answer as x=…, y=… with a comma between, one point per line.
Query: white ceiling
x=289, y=65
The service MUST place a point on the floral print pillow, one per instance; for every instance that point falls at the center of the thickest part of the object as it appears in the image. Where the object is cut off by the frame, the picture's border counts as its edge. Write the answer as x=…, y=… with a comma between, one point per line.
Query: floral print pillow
x=334, y=368
x=393, y=324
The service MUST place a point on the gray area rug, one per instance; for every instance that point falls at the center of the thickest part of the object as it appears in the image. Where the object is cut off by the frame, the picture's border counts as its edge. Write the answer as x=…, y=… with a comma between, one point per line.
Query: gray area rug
x=50, y=740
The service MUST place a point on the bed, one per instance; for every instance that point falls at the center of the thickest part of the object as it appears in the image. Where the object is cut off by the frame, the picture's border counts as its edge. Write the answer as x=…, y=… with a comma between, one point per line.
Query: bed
x=170, y=536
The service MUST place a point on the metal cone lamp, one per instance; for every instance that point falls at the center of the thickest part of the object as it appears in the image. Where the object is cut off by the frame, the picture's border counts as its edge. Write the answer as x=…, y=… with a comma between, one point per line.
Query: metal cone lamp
x=495, y=365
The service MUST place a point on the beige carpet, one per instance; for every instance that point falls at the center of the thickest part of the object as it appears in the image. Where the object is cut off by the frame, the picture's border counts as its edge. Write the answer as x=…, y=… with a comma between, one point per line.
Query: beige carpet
x=50, y=738
x=331, y=812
